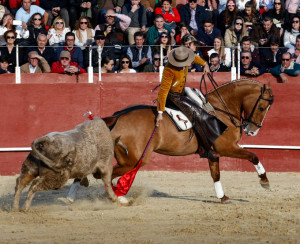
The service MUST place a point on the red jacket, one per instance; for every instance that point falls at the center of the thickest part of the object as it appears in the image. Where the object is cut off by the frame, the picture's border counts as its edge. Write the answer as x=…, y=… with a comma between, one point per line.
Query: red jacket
x=57, y=67
x=169, y=17
x=17, y=3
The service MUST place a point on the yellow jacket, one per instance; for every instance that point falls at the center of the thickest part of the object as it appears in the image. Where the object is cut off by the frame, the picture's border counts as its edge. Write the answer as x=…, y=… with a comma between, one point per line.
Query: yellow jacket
x=173, y=79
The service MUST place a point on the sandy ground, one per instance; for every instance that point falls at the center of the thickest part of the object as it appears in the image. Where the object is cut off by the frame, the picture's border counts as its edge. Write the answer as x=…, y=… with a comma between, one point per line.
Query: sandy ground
x=166, y=207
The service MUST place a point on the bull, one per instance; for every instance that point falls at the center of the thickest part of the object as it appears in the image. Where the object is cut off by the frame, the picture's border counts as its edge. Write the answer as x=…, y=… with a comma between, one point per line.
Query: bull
x=59, y=156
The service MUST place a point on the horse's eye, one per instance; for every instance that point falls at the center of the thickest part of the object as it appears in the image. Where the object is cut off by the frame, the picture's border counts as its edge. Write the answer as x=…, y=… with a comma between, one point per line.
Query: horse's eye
x=261, y=109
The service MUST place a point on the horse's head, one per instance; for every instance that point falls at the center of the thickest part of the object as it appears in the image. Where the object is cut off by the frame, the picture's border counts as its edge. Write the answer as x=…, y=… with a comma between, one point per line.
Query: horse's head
x=255, y=115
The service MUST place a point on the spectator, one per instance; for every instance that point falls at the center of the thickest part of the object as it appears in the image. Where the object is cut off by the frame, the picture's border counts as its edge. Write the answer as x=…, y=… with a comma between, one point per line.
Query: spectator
x=155, y=66
x=287, y=66
x=42, y=50
x=76, y=52
x=3, y=11
x=57, y=32
x=106, y=51
x=190, y=42
x=207, y=34
x=158, y=27
x=235, y=33
x=150, y=6
x=36, y=26
x=36, y=64
x=295, y=51
x=248, y=67
x=271, y=57
x=125, y=65
x=66, y=66
x=3, y=65
x=9, y=50
x=278, y=14
x=183, y=31
x=14, y=5
x=224, y=52
x=86, y=8
x=170, y=15
x=241, y=5
x=291, y=7
x=84, y=32
x=228, y=16
x=56, y=8
x=104, y=5
x=139, y=54
x=215, y=64
x=193, y=15
x=7, y=24
x=107, y=65
x=137, y=13
x=27, y=10
x=166, y=41
x=261, y=34
x=292, y=32
x=247, y=46
x=251, y=16
x=114, y=30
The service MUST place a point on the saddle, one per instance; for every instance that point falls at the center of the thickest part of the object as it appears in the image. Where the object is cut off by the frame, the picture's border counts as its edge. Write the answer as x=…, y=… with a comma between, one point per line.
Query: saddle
x=181, y=122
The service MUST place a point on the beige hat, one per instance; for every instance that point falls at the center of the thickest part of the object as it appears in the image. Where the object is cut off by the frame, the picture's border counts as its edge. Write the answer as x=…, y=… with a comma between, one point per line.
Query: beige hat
x=65, y=54
x=181, y=56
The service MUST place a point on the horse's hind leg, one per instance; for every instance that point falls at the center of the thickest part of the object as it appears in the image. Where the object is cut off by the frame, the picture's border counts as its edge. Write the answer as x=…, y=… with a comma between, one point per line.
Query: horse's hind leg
x=215, y=174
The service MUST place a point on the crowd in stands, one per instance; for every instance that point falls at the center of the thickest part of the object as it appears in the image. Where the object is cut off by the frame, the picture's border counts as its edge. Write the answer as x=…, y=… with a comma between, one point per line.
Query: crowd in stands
x=57, y=35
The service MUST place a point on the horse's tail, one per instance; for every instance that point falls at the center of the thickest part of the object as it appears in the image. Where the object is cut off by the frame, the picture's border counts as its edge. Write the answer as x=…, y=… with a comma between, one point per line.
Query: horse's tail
x=121, y=144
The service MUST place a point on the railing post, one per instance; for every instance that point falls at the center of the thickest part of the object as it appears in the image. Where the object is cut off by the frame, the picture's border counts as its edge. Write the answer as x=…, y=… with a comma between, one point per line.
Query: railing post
x=161, y=67
x=99, y=62
x=239, y=61
x=233, y=68
x=90, y=68
x=17, y=68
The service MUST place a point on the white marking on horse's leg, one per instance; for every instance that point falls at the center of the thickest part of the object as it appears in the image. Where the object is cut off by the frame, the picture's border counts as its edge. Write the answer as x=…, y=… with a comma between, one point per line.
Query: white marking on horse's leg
x=73, y=191
x=259, y=168
x=219, y=189
x=123, y=200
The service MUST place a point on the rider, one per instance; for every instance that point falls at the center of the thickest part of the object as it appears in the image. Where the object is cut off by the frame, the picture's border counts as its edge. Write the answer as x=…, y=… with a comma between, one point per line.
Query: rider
x=208, y=127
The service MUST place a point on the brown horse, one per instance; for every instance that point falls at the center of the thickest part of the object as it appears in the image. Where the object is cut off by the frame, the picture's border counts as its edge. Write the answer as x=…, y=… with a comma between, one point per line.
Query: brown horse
x=231, y=101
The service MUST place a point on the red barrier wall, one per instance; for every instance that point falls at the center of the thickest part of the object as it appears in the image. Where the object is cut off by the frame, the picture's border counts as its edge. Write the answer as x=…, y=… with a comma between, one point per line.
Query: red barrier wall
x=53, y=102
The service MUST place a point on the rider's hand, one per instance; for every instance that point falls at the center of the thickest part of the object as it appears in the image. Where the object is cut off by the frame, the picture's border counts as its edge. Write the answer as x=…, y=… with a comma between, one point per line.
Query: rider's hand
x=159, y=118
x=206, y=69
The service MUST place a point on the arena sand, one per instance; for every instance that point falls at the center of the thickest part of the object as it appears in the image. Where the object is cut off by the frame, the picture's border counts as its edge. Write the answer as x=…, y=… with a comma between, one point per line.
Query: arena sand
x=167, y=207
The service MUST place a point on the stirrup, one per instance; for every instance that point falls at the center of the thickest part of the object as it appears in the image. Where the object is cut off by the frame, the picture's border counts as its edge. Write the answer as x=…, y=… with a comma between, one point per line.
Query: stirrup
x=210, y=155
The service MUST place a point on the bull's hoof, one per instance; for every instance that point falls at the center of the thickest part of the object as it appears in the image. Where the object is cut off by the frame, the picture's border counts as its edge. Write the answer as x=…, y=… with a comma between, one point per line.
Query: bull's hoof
x=123, y=201
x=225, y=200
x=265, y=185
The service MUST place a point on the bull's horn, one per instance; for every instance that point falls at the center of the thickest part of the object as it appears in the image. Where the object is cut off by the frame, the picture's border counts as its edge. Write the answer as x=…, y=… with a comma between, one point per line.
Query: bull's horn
x=36, y=153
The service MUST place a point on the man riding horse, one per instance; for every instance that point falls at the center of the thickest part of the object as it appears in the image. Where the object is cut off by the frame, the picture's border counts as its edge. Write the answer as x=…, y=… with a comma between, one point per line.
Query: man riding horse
x=208, y=128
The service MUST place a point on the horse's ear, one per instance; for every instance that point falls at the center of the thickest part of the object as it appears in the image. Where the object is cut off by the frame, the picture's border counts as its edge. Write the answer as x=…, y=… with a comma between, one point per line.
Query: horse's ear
x=269, y=85
x=264, y=88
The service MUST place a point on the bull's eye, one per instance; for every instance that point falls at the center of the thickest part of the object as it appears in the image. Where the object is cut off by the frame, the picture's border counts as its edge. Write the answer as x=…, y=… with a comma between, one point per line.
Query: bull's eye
x=261, y=109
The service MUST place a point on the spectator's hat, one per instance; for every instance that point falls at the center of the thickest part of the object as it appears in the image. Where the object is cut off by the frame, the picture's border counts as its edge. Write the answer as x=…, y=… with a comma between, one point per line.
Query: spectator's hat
x=181, y=56
x=99, y=35
x=65, y=54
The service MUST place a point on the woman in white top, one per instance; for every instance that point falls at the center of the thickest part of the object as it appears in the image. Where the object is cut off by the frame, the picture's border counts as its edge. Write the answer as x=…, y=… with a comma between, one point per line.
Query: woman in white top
x=57, y=32
x=7, y=24
x=224, y=53
x=84, y=33
x=289, y=39
x=107, y=65
x=125, y=65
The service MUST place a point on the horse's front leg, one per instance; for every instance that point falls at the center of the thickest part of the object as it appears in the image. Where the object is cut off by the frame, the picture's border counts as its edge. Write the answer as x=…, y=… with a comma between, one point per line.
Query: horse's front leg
x=215, y=174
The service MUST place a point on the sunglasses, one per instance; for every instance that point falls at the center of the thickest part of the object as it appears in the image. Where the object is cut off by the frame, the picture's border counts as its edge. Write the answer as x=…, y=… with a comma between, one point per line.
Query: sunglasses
x=64, y=58
x=239, y=23
x=83, y=23
x=155, y=59
x=59, y=23
x=10, y=37
x=192, y=1
x=245, y=57
x=230, y=4
x=35, y=19
x=277, y=3
x=164, y=36
x=295, y=21
x=100, y=38
x=285, y=59
x=125, y=62
x=109, y=16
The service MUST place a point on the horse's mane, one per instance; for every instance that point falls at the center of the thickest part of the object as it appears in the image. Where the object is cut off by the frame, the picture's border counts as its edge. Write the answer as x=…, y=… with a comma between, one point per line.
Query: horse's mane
x=234, y=82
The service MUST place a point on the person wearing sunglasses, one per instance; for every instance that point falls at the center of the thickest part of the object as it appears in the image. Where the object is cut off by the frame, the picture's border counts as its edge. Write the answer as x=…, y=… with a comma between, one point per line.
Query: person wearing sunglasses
x=36, y=26
x=9, y=50
x=84, y=32
x=287, y=67
x=193, y=15
x=295, y=50
x=227, y=16
x=36, y=64
x=56, y=8
x=248, y=67
x=154, y=67
x=290, y=35
x=125, y=65
x=235, y=33
x=278, y=14
x=57, y=32
x=66, y=66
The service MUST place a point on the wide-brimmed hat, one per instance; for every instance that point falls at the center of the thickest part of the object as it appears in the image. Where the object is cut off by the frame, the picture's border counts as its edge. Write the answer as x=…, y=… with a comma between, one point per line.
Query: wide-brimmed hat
x=181, y=56
x=65, y=54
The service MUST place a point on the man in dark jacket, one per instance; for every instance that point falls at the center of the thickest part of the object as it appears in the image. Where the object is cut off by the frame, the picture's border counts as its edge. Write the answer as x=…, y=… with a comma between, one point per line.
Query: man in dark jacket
x=248, y=67
x=215, y=64
x=193, y=15
x=55, y=8
x=207, y=34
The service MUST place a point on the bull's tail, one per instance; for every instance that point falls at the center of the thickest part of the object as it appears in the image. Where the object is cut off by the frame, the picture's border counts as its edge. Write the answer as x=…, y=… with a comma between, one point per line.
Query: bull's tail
x=118, y=142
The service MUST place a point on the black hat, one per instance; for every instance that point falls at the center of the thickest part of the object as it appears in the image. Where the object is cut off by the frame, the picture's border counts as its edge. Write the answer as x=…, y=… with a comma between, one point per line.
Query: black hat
x=99, y=34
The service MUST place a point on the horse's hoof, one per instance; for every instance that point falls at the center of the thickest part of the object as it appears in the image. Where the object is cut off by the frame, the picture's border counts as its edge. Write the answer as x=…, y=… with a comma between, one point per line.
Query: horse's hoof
x=265, y=185
x=123, y=201
x=69, y=200
x=225, y=200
